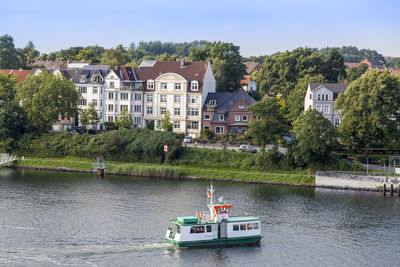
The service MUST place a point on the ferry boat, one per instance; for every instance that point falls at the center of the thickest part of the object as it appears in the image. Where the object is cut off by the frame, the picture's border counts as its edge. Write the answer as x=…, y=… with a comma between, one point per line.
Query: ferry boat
x=214, y=227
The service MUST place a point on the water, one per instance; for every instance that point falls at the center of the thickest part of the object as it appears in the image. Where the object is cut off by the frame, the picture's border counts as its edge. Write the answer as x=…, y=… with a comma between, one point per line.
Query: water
x=69, y=219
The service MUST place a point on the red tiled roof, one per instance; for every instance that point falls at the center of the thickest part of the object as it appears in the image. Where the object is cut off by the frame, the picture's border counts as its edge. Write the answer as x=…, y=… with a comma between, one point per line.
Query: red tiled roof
x=352, y=65
x=20, y=74
x=191, y=70
x=246, y=79
x=251, y=67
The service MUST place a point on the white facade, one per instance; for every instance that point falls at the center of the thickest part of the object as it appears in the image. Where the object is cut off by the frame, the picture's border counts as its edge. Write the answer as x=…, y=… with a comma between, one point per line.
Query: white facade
x=323, y=100
x=92, y=93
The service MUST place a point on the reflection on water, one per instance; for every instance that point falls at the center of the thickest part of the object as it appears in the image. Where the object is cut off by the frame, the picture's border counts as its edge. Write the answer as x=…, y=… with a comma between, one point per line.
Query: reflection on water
x=52, y=218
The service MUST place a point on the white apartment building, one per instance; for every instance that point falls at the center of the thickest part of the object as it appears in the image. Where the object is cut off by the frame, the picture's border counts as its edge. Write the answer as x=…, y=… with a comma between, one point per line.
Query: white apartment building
x=179, y=87
x=322, y=97
x=123, y=90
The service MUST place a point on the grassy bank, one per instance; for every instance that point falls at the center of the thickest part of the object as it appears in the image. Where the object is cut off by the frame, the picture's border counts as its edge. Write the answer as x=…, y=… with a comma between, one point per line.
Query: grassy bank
x=165, y=170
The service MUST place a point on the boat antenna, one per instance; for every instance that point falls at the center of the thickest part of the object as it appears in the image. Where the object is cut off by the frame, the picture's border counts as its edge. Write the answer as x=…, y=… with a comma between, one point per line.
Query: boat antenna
x=210, y=193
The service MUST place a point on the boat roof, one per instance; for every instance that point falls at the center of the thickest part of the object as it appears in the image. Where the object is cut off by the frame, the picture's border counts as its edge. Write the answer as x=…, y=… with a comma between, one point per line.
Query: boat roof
x=190, y=223
x=243, y=218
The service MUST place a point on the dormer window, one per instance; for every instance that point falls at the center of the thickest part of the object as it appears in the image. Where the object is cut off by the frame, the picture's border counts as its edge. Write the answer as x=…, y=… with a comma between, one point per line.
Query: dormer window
x=221, y=117
x=83, y=78
x=97, y=79
x=150, y=84
x=163, y=86
x=241, y=106
x=212, y=102
x=194, y=86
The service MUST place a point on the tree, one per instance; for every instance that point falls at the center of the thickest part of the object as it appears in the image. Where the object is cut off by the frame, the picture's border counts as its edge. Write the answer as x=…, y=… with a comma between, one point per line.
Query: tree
x=89, y=116
x=355, y=73
x=335, y=66
x=27, y=55
x=315, y=138
x=45, y=98
x=370, y=107
x=166, y=124
x=295, y=99
x=115, y=57
x=124, y=120
x=270, y=125
x=8, y=86
x=226, y=64
x=12, y=120
x=8, y=53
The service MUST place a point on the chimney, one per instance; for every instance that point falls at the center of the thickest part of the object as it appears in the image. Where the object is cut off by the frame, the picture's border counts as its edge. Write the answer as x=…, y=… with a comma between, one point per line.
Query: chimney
x=182, y=63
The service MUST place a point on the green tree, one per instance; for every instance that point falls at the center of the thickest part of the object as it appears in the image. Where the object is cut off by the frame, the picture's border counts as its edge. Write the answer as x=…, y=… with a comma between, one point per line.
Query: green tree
x=270, y=124
x=124, y=120
x=355, y=73
x=115, y=57
x=335, y=66
x=166, y=124
x=8, y=53
x=226, y=64
x=167, y=57
x=27, y=55
x=315, y=138
x=12, y=120
x=370, y=107
x=8, y=86
x=89, y=116
x=45, y=98
x=295, y=99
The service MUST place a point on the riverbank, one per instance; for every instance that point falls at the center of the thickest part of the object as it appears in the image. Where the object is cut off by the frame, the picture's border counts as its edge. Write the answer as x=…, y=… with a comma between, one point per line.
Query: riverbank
x=168, y=171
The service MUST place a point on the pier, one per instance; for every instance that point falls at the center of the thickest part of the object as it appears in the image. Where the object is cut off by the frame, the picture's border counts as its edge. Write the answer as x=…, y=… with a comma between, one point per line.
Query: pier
x=6, y=158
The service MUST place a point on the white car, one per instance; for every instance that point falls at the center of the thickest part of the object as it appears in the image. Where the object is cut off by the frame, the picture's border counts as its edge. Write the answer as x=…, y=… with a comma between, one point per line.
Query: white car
x=247, y=148
x=188, y=139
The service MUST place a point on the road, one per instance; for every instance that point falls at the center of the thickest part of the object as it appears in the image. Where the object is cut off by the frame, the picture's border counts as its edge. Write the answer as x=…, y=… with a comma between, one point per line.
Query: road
x=232, y=147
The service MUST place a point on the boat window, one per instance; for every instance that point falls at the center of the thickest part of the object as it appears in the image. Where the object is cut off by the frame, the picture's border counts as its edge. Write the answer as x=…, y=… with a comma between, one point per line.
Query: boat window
x=249, y=226
x=236, y=227
x=242, y=227
x=197, y=229
x=177, y=229
x=255, y=225
x=208, y=228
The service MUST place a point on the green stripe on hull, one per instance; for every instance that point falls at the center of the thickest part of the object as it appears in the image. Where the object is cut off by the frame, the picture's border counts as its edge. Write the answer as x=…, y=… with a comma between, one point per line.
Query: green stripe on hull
x=217, y=242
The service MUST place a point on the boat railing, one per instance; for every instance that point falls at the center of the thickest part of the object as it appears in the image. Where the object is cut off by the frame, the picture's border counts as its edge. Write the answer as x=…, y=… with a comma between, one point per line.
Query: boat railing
x=203, y=216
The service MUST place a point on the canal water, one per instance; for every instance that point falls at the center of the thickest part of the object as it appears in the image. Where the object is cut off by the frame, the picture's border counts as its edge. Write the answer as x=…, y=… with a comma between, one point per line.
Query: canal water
x=73, y=219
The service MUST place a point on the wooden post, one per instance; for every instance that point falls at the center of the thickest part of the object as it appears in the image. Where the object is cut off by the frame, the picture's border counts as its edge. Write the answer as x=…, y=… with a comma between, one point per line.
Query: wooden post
x=384, y=189
x=391, y=190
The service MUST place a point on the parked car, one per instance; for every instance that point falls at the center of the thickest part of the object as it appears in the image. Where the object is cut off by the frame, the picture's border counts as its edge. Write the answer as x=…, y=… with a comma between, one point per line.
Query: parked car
x=247, y=148
x=188, y=139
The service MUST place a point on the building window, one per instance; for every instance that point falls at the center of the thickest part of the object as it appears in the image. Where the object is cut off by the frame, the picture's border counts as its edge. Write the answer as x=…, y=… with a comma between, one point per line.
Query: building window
x=193, y=112
x=219, y=129
x=327, y=109
x=207, y=117
x=110, y=118
x=149, y=98
x=138, y=97
x=310, y=96
x=212, y=102
x=163, y=111
x=149, y=110
x=110, y=95
x=163, y=98
x=177, y=124
x=163, y=86
x=241, y=106
x=326, y=97
x=110, y=107
x=319, y=97
x=177, y=99
x=195, y=86
x=221, y=117
x=244, y=117
x=137, y=120
x=124, y=96
x=177, y=86
x=237, y=117
x=101, y=103
x=193, y=125
x=337, y=121
x=138, y=108
x=83, y=78
x=177, y=111
x=112, y=84
x=236, y=227
x=83, y=102
x=319, y=108
x=94, y=102
x=82, y=89
x=123, y=106
x=207, y=127
x=150, y=84
x=95, y=90
x=193, y=99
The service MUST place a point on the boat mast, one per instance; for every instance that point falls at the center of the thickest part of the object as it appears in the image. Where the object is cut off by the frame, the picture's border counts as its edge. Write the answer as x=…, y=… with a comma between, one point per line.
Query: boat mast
x=211, y=192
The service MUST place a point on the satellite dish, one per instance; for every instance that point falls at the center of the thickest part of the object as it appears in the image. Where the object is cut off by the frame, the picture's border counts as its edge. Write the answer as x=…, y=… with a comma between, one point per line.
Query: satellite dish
x=221, y=199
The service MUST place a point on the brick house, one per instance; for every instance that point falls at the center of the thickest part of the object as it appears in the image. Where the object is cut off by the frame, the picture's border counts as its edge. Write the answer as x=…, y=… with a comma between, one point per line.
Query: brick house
x=227, y=112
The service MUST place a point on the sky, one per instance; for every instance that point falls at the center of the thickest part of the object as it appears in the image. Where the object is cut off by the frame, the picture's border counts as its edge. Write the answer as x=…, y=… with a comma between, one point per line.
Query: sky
x=258, y=27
